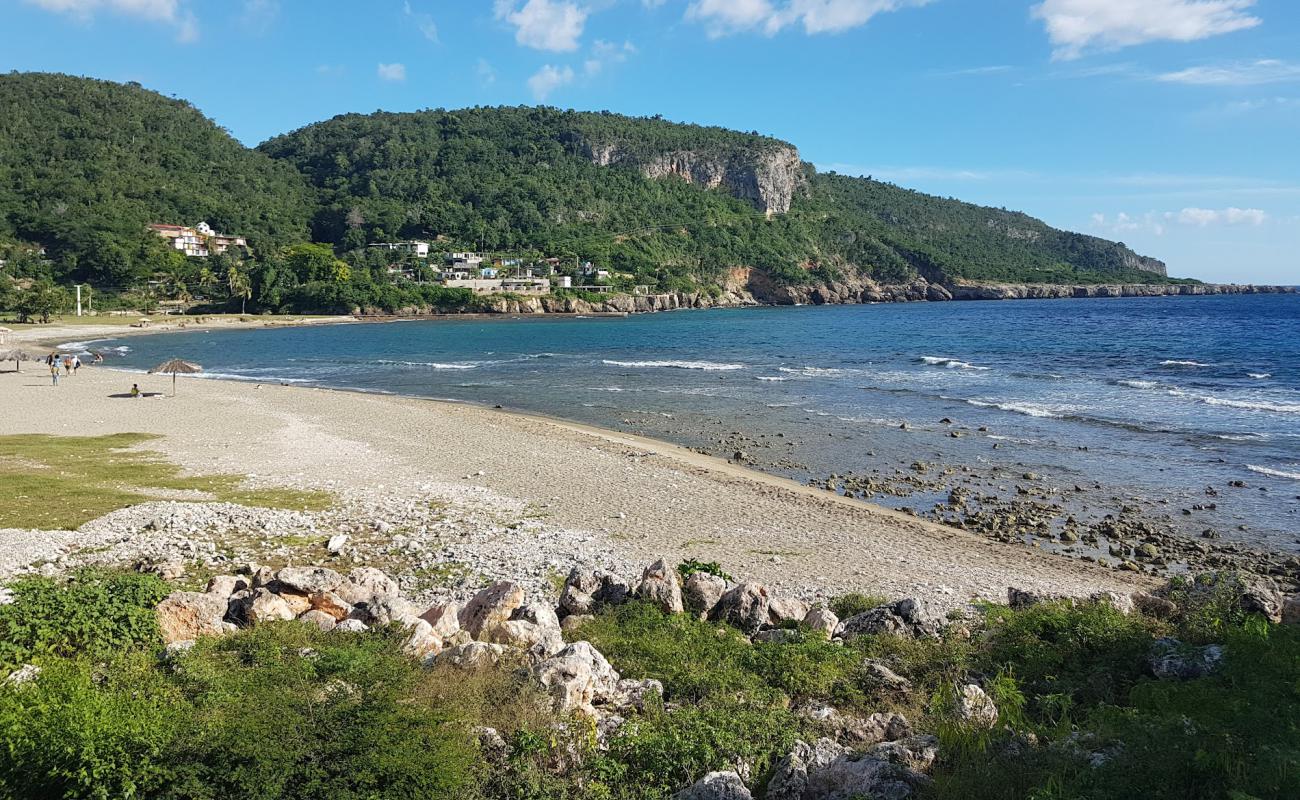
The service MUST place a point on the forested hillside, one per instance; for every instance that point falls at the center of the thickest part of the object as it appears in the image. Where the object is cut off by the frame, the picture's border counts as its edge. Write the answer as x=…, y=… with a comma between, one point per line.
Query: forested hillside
x=86, y=164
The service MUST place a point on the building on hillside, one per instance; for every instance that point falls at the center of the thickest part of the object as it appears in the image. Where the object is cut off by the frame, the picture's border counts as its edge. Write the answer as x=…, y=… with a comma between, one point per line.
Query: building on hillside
x=469, y=261
x=200, y=241
x=564, y=281
x=529, y=286
x=414, y=248
x=489, y=272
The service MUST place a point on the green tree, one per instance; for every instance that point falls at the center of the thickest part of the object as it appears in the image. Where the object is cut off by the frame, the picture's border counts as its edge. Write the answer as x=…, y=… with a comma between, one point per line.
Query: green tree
x=40, y=301
x=238, y=285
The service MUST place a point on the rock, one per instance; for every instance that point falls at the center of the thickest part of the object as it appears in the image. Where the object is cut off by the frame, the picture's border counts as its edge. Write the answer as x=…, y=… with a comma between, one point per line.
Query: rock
x=24, y=674
x=1291, y=610
x=491, y=607
x=1154, y=606
x=786, y=609
x=1024, y=598
x=385, y=610
x=1170, y=659
x=261, y=576
x=491, y=743
x=526, y=636
x=576, y=677
x=975, y=707
x=901, y=618
x=1260, y=596
x=887, y=771
x=444, y=617
x=351, y=626
x=298, y=602
x=854, y=730
x=189, y=615
x=745, y=606
x=574, y=601
x=309, y=580
x=632, y=694
x=1148, y=550
x=267, y=606
x=822, y=620
x=336, y=543
x=790, y=777
x=914, y=752
x=587, y=590
x=659, y=586
x=882, y=676
x=778, y=636
x=421, y=641
x=716, y=786
x=332, y=604
x=702, y=592
x=471, y=656
x=225, y=585
x=1123, y=603
x=320, y=619
x=364, y=583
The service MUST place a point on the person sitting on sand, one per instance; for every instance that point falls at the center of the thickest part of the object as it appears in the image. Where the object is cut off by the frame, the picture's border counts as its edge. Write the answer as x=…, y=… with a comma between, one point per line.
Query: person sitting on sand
x=135, y=390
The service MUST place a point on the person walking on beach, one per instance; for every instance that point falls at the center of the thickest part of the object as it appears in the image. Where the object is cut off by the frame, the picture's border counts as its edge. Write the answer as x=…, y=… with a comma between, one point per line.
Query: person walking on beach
x=76, y=364
x=49, y=360
x=67, y=365
x=54, y=373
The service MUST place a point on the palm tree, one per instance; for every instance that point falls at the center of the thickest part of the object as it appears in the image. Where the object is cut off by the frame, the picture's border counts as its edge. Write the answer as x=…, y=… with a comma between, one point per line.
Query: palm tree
x=238, y=285
x=207, y=279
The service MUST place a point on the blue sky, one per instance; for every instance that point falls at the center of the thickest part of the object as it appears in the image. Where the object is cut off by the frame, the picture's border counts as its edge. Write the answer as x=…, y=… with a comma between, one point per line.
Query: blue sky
x=1171, y=125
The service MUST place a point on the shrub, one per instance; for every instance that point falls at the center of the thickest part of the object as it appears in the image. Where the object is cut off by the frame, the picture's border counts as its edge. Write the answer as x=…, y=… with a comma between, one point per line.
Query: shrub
x=95, y=614
x=688, y=568
x=850, y=605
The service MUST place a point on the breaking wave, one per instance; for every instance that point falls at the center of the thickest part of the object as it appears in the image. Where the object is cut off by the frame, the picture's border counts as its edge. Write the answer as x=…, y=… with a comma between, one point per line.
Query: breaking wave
x=1276, y=473
x=707, y=366
x=1176, y=363
x=950, y=363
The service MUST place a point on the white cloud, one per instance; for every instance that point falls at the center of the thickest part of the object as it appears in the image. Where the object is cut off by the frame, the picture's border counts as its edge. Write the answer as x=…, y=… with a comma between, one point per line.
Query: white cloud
x=392, y=72
x=486, y=73
x=604, y=54
x=548, y=79
x=259, y=15
x=1242, y=73
x=554, y=25
x=1123, y=223
x=724, y=17
x=1075, y=26
x=1202, y=217
x=423, y=22
x=168, y=12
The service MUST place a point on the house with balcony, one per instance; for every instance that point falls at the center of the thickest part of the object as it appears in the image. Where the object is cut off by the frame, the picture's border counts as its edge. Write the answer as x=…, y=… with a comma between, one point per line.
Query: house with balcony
x=199, y=241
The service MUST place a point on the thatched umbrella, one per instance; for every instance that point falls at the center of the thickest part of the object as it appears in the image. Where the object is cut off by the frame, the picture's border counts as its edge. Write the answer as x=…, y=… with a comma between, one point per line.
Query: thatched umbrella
x=176, y=367
x=16, y=356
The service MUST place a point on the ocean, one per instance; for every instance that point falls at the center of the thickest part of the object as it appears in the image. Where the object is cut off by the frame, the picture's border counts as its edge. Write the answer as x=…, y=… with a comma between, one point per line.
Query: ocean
x=1186, y=406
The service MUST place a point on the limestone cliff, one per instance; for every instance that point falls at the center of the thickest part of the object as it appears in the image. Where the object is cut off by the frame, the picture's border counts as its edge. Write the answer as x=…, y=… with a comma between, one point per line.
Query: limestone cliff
x=768, y=177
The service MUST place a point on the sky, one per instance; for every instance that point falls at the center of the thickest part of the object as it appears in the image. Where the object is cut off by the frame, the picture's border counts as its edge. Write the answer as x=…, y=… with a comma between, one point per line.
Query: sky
x=1170, y=125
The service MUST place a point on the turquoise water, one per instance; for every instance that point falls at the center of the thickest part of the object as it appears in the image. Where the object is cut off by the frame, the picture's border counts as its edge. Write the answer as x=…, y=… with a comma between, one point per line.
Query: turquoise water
x=1155, y=398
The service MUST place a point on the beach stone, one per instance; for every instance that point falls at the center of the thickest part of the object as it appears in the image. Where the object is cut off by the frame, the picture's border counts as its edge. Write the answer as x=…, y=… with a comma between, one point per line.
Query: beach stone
x=702, y=592
x=444, y=617
x=790, y=777
x=266, y=606
x=786, y=609
x=1170, y=659
x=744, y=606
x=491, y=607
x=364, y=583
x=576, y=677
x=975, y=707
x=471, y=656
x=225, y=585
x=332, y=604
x=421, y=641
x=822, y=620
x=309, y=580
x=189, y=615
x=659, y=586
x=716, y=786
x=320, y=619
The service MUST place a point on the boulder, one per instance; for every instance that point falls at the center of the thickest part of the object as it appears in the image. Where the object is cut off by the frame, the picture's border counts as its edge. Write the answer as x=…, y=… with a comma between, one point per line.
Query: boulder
x=633, y=694
x=189, y=615
x=822, y=620
x=491, y=607
x=266, y=606
x=1121, y=602
x=745, y=606
x=888, y=771
x=901, y=618
x=332, y=604
x=320, y=619
x=975, y=707
x=309, y=580
x=336, y=543
x=444, y=617
x=659, y=586
x=702, y=592
x=576, y=678
x=1170, y=659
x=298, y=602
x=879, y=675
x=351, y=626
x=1291, y=610
x=781, y=610
x=716, y=786
x=25, y=674
x=586, y=590
x=543, y=641
x=854, y=730
x=471, y=656
x=364, y=583
x=573, y=622
x=575, y=601
x=225, y=585
x=385, y=610
x=1260, y=595
x=790, y=777
x=914, y=752
x=421, y=640
x=1153, y=606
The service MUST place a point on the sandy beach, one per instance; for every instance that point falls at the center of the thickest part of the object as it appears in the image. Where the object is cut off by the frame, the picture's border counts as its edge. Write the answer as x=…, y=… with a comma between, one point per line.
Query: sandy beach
x=541, y=494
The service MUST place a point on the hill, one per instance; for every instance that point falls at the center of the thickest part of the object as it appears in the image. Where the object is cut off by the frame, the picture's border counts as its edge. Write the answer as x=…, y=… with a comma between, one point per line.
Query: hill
x=628, y=192
x=86, y=164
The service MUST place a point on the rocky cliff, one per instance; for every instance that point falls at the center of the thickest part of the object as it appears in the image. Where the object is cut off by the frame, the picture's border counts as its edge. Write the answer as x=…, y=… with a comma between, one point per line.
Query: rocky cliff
x=769, y=178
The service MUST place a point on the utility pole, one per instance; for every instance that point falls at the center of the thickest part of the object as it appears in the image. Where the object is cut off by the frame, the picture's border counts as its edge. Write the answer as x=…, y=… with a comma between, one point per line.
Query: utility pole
x=78, y=299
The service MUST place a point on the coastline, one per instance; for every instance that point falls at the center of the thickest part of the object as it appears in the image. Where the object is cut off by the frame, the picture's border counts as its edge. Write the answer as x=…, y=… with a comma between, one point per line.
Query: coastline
x=518, y=491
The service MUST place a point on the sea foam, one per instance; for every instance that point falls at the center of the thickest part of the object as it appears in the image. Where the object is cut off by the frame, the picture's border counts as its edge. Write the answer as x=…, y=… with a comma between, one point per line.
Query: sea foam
x=950, y=363
x=1276, y=473
x=707, y=366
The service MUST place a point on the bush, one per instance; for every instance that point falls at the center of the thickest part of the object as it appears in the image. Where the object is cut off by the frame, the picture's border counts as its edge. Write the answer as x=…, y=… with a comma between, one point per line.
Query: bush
x=95, y=614
x=689, y=567
x=850, y=605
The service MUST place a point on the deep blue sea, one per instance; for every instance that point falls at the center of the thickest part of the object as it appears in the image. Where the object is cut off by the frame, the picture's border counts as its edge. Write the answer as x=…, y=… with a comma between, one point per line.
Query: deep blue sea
x=1155, y=398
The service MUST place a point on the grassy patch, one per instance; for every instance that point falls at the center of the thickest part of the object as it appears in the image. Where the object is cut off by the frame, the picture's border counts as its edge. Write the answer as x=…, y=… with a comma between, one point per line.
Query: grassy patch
x=61, y=482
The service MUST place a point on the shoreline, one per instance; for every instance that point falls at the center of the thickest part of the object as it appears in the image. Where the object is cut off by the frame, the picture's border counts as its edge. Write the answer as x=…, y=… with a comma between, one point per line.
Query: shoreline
x=553, y=490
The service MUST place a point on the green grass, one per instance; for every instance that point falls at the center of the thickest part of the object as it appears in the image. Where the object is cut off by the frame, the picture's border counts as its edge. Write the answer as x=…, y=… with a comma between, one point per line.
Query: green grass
x=61, y=482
